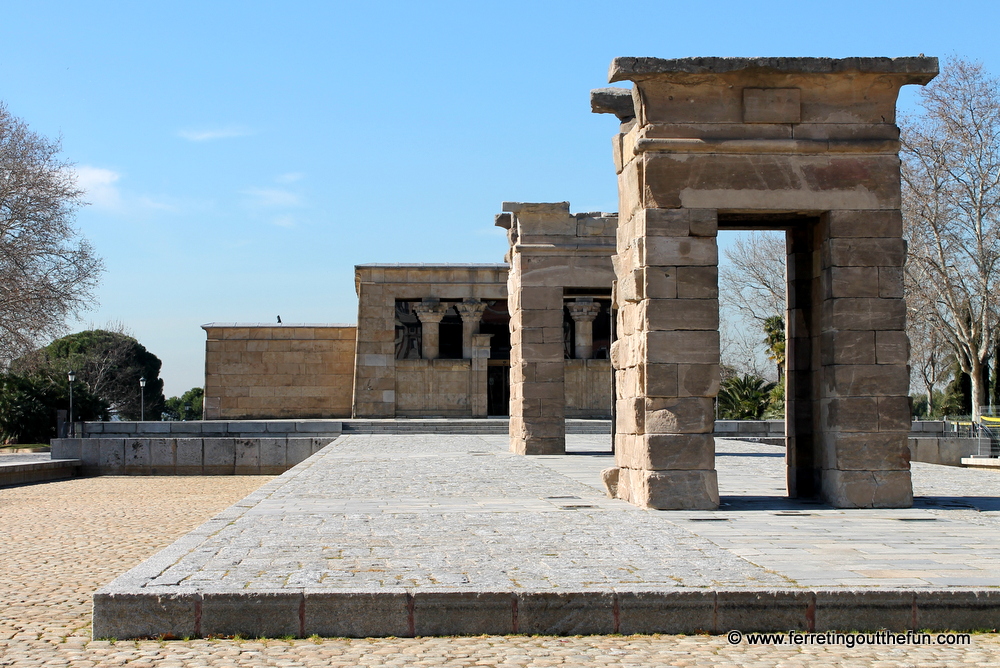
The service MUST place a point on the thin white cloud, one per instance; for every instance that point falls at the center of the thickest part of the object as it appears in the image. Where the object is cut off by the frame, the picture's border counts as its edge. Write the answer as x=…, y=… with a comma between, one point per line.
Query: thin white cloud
x=99, y=184
x=290, y=177
x=273, y=197
x=226, y=132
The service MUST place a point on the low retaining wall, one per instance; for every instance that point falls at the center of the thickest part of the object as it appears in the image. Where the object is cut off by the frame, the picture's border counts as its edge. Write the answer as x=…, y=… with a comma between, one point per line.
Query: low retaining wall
x=945, y=450
x=270, y=447
x=202, y=447
x=188, y=456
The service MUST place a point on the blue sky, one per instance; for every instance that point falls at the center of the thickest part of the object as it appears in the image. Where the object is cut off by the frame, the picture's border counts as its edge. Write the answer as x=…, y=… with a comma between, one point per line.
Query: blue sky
x=241, y=157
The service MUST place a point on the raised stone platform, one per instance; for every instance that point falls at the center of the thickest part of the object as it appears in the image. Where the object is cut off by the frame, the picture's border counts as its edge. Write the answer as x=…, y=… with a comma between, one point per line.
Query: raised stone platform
x=422, y=535
x=23, y=469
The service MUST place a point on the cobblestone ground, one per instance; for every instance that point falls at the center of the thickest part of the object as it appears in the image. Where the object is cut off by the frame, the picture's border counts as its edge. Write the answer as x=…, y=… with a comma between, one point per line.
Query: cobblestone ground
x=60, y=541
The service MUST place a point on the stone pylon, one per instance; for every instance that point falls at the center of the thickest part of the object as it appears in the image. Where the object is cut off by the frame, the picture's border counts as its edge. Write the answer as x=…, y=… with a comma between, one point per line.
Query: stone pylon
x=804, y=145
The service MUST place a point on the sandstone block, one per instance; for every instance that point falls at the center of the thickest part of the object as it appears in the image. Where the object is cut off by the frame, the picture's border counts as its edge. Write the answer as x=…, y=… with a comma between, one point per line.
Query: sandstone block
x=770, y=182
x=609, y=477
x=875, y=451
x=767, y=611
x=684, y=347
x=892, y=347
x=867, y=252
x=864, y=314
x=679, y=251
x=887, y=223
x=661, y=452
x=866, y=380
x=698, y=380
x=669, y=490
x=852, y=282
x=677, y=314
x=850, y=414
x=867, y=489
x=682, y=415
x=895, y=414
x=657, y=380
x=694, y=282
x=840, y=347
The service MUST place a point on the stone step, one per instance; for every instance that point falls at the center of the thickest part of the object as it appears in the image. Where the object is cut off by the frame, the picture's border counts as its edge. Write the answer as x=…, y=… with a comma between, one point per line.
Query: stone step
x=23, y=472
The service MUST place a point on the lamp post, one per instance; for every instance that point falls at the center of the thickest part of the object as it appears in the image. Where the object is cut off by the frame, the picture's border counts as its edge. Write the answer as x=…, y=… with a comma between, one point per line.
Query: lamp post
x=72, y=379
x=142, y=399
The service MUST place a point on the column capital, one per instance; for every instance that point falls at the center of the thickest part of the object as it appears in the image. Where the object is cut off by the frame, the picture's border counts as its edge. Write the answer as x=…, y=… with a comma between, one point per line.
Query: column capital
x=584, y=311
x=470, y=310
x=430, y=312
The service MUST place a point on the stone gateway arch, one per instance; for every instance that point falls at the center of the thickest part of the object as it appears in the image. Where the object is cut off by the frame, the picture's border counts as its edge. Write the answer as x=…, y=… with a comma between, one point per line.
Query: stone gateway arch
x=804, y=145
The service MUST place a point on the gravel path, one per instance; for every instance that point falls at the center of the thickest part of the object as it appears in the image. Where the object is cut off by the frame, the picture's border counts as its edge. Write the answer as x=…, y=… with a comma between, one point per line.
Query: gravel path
x=60, y=541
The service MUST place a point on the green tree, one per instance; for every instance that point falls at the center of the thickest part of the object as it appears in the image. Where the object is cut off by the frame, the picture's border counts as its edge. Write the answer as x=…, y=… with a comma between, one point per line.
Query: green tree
x=744, y=397
x=188, y=406
x=28, y=406
x=110, y=363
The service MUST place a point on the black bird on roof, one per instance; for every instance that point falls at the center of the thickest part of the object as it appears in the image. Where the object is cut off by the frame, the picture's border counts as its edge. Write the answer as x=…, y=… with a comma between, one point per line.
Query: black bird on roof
x=279, y=319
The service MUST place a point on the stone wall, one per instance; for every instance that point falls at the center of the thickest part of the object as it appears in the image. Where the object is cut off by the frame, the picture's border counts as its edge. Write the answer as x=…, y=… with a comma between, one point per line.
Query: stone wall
x=588, y=388
x=434, y=388
x=433, y=290
x=195, y=448
x=256, y=371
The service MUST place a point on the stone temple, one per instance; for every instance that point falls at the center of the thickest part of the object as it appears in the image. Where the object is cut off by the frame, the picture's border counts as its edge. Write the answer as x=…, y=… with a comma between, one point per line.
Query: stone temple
x=808, y=146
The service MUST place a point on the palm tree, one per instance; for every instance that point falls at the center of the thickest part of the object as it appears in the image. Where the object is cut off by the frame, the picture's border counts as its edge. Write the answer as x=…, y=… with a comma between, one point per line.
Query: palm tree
x=744, y=397
x=774, y=330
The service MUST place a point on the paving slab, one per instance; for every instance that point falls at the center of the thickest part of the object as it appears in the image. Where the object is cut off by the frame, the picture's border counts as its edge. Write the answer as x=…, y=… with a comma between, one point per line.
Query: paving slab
x=452, y=534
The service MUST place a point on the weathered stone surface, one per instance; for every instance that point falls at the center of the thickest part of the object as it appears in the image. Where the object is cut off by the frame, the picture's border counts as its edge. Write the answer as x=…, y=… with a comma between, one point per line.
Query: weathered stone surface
x=463, y=613
x=867, y=489
x=665, y=452
x=617, y=101
x=357, y=614
x=765, y=140
x=254, y=371
x=252, y=615
x=669, y=490
x=609, y=477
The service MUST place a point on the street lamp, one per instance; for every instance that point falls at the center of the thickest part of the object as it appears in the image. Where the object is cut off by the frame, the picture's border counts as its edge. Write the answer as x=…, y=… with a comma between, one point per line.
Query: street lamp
x=142, y=399
x=72, y=379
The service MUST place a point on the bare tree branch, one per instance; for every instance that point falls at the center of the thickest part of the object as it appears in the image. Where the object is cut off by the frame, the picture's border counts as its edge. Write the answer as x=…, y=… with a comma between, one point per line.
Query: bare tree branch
x=951, y=218
x=47, y=272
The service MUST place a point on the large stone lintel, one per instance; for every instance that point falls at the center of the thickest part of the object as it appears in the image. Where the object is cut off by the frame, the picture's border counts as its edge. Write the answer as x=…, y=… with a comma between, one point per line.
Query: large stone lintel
x=916, y=70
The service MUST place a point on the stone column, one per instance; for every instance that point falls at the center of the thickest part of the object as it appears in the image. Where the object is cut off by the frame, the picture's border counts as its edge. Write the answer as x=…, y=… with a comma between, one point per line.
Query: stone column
x=666, y=359
x=583, y=312
x=430, y=314
x=471, y=311
x=862, y=379
x=479, y=362
x=537, y=390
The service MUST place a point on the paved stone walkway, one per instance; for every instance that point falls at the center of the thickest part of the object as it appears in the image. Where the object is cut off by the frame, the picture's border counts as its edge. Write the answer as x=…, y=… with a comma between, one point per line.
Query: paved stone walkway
x=59, y=541
x=372, y=512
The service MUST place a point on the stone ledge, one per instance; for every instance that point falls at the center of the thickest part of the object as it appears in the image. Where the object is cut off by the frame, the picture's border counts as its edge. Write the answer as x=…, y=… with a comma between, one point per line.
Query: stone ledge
x=921, y=69
x=23, y=473
x=141, y=612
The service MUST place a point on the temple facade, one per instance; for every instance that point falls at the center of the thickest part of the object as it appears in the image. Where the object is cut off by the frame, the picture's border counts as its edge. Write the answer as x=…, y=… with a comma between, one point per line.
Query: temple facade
x=436, y=340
